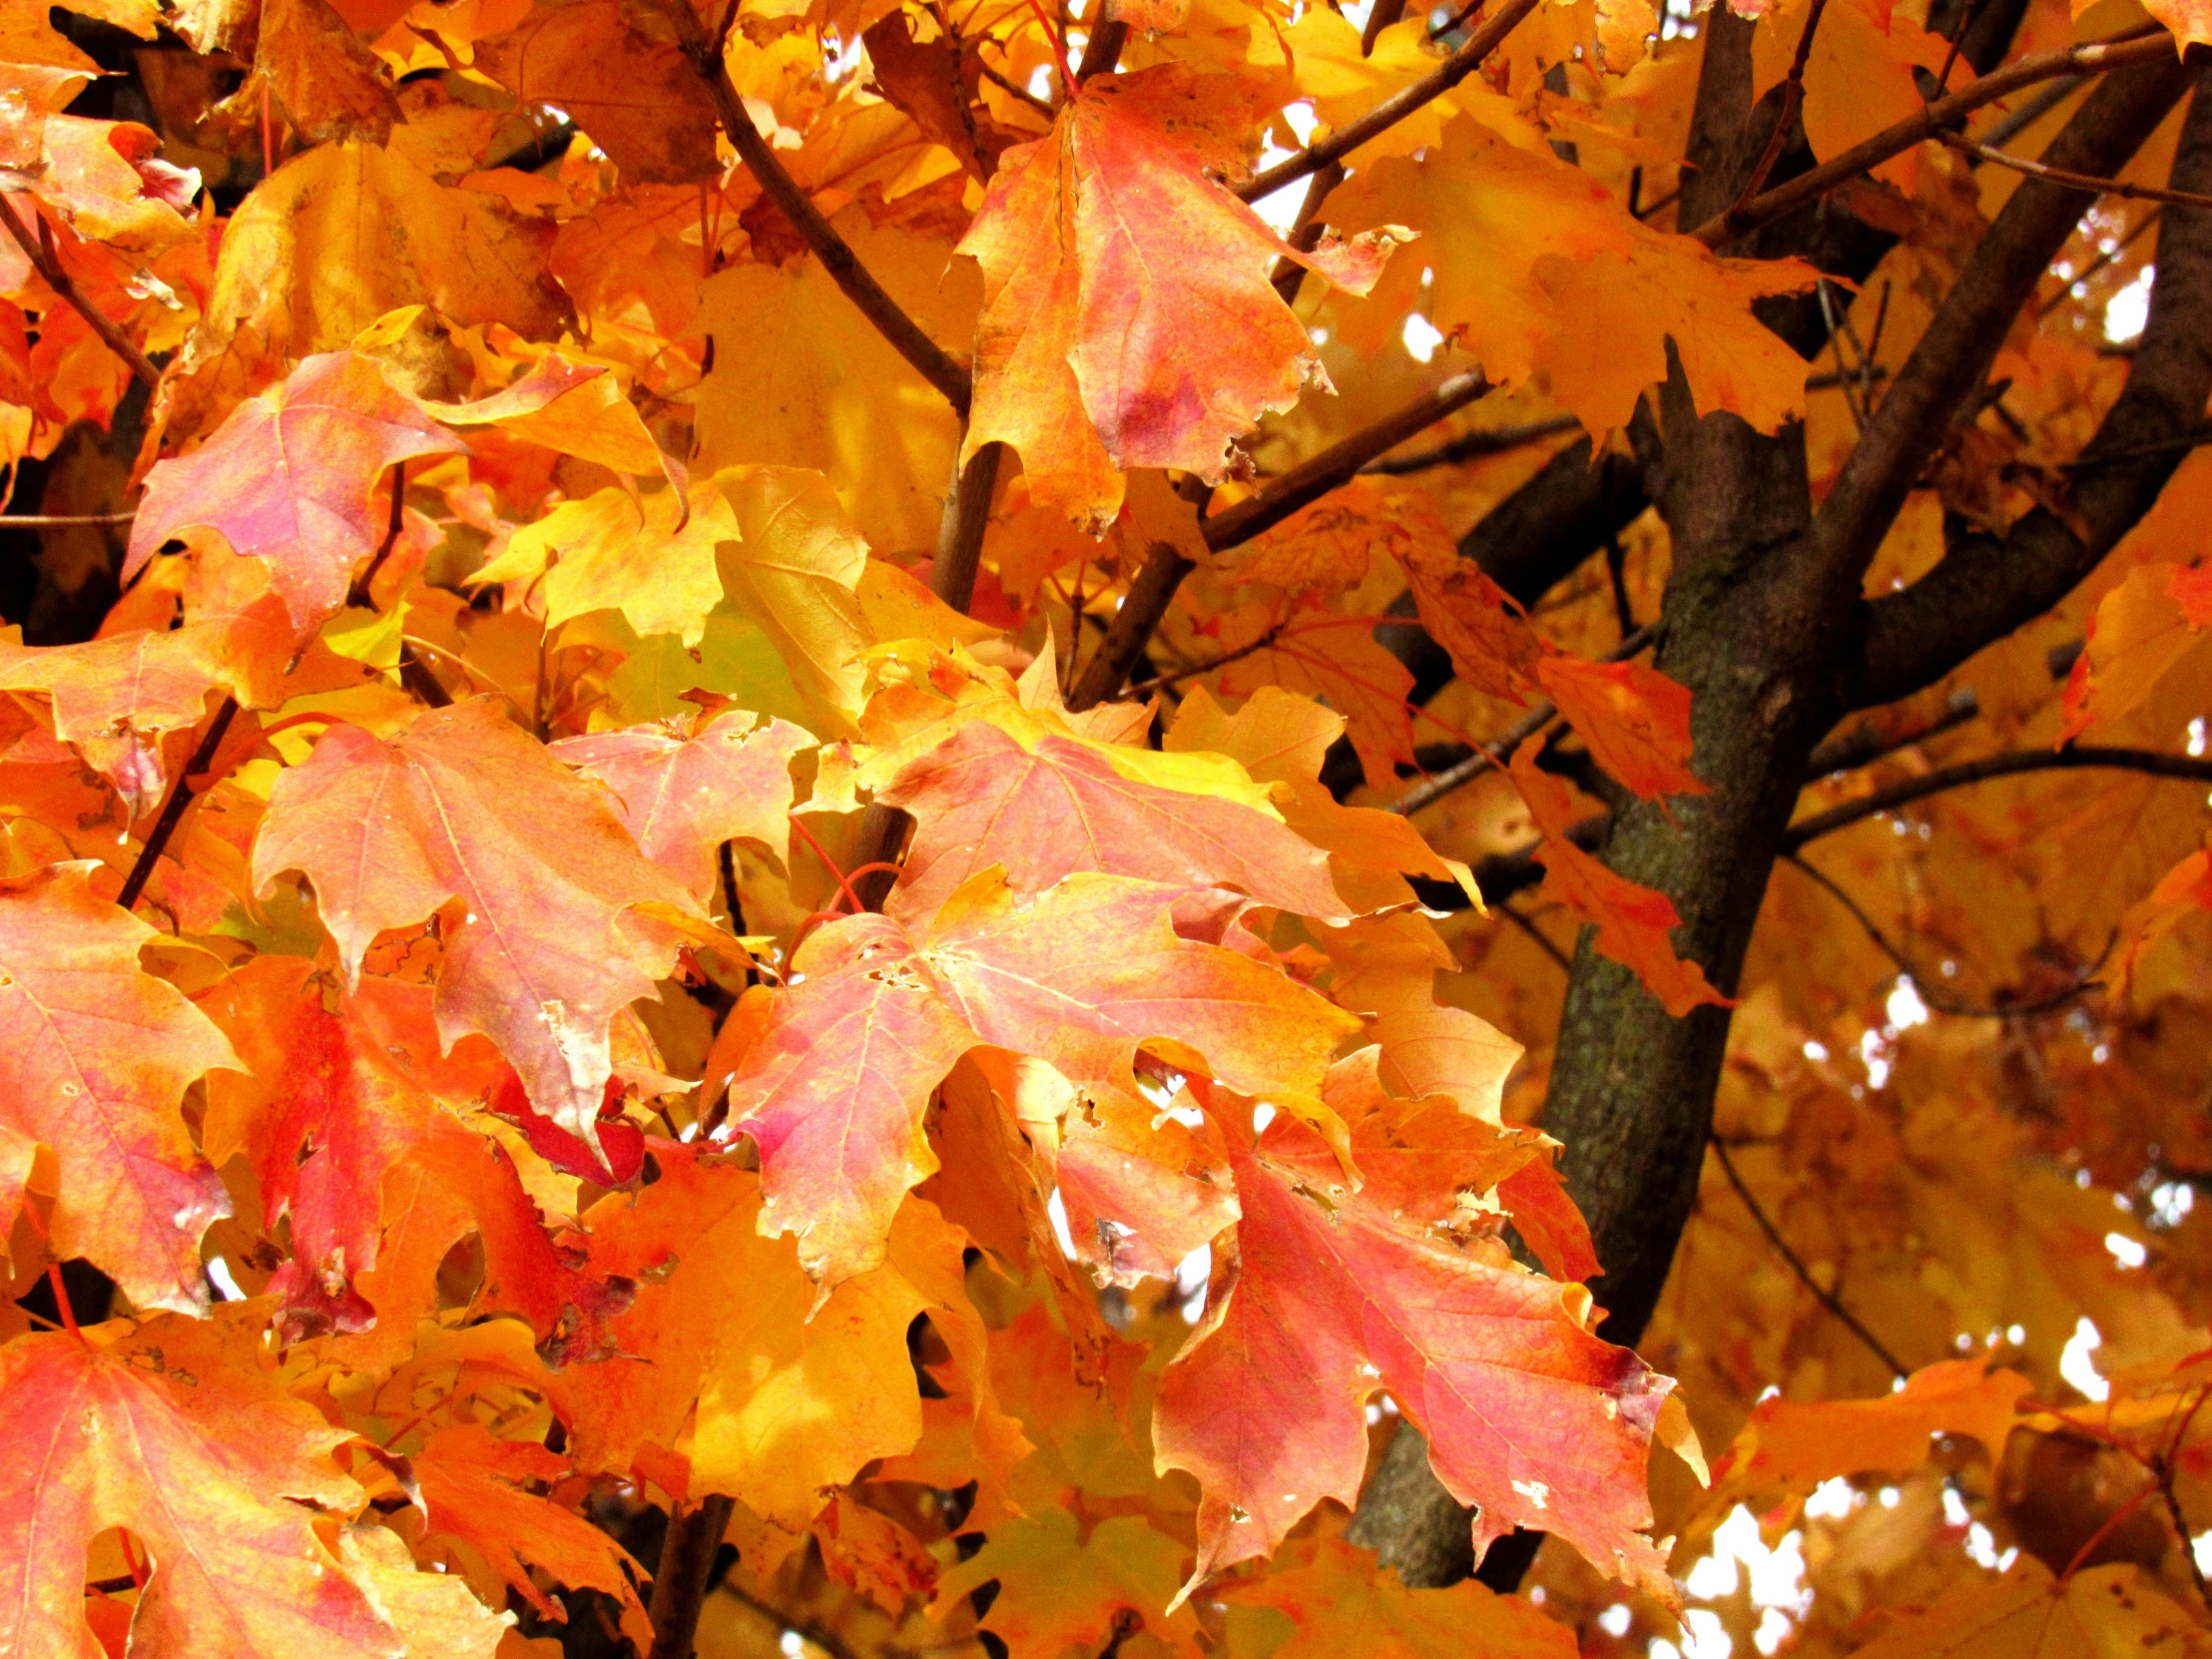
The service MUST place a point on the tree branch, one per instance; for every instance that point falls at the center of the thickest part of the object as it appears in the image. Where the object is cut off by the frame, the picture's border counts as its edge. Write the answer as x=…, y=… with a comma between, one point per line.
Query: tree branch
x=1827, y=1299
x=41, y=255
x=1313, y=478
x=2074, y=180
x=967, y=512
x=1471, y=447
x=1395, y=108
x=2150, y=761
x=685, y=1568
x=180, y=796
x=1926, y=988
x=2120, y=51
x=1496, y=753
x=1954, y=355
x=1987, y=586
x=905, y=336
x=1793, y=99
x=1154, y=589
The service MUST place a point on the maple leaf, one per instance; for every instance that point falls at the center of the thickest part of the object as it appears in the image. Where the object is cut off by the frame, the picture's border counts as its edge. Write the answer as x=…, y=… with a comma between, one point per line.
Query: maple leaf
x=1060, y=1588
x=288, y=479
x=651, y=558
x=113, y=699
x=686, y=787
x=635, y=93
x=980, y=798
x=1632, y=920
x=2183, y=890
x=2142, y=632
x=462, y=807
x=1335, y=1600
x=800, y=378
x=1332, y=1294
x=174, y=1433
x=1802, y=1443
x=101, y=1053
x=475, y=1490
x=1105, y=343
x=2098, y=1610
x=1541, y=273
x=876, y=1022
x=1634, y=719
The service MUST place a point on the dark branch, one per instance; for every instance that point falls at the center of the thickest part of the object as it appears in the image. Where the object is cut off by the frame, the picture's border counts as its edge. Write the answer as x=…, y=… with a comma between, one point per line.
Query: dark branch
x=43, y=260
x=2074, y=180
x=1395, y=108
x=686, y=1569
x=853, y=278
x=1987, y=585
x=2119, y=51
x=1889, y=800
x=180, y=796
x=1928, y=991
x=1952, y=358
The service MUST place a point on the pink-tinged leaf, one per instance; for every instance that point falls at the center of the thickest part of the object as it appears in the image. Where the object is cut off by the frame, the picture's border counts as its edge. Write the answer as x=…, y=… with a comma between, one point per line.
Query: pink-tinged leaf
x=289, y=478
x=1128, y=320
x=979, y=799
x=1331, y=1296
x=179, y=1434
x=831, y=1079
x=462, y=807
x=99, y=1055
x=684, y=787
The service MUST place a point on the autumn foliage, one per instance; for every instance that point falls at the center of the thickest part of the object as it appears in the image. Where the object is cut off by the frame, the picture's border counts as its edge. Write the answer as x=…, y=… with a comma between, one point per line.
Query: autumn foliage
x=876, y=829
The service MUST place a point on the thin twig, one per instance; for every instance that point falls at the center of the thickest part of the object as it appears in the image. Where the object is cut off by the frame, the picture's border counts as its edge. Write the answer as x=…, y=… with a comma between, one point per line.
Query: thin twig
x=2073, y=180
x=1942, y=1001
x=2154, y=762
x=1826, y=1298
x=1312, y=479
x=2165, y=1472
x=1528, y=925
x=1499, y=749
x=2019, y=122
x=358, y=594
x=1304, y=235
x=180, y=796
x=836, y=254
x=2140, y=45
x=63, y=521
x=1396, y=108
x=1793, y=99
x=48, y=267
x=1469, y=446
x=1007, y=84
x=1958, y=40
x=1162, y=572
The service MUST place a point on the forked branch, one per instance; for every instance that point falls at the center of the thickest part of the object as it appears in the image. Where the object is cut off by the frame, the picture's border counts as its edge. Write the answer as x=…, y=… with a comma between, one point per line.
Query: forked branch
x=2133, y=46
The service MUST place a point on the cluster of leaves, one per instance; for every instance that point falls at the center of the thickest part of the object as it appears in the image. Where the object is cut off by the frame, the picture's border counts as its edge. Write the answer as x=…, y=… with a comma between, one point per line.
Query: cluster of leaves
x=735, y=852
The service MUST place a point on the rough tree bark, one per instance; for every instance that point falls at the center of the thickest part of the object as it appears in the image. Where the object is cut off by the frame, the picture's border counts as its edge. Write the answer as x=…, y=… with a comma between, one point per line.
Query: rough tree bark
x=1762, y=620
